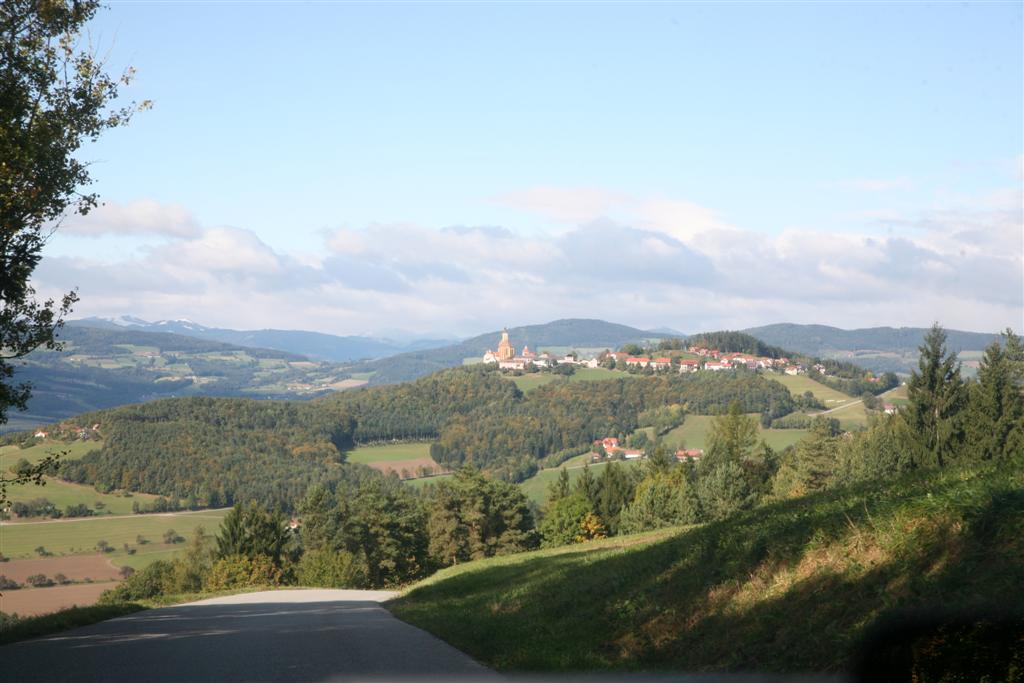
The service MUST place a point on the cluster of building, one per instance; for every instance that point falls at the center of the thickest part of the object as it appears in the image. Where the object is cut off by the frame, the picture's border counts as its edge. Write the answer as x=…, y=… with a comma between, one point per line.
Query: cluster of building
x=608, y=448
x=69, y=431
x=708, y=359
x=507, y=359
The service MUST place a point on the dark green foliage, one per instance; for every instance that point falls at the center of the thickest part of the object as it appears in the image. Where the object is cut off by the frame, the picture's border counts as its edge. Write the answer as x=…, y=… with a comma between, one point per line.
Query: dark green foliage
x=325, y=568
x=662, y=499
x=470, y=517
x=936, y=398
x=811, y=465
x=156, y=579
x=217, y=450
x=615, y=487
x=562, y=521
x=995, y=414
x=252, y=530
x=736, y=342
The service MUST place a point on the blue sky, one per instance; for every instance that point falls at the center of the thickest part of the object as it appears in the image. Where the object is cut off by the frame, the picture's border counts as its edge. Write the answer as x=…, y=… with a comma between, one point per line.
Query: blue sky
x=359, y=168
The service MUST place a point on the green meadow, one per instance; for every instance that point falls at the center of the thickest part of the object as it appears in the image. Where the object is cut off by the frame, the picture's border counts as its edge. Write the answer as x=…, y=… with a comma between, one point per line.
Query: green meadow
x=388, y=452
x=79, y=536
x=693, y=433
x=63, y=493
x=528, y=383
x=75, y=450
x=799, y=384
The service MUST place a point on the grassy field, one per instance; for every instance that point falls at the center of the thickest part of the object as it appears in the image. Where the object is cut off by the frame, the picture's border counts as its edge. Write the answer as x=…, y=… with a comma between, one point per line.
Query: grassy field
x=75, y=450
x=851, y=416
x=792, y=586
x=527, y=383
x=388, y=452
x=799, y=384
x=63, y=494
x=79, y=536
x=694, y=434
x=536, y=487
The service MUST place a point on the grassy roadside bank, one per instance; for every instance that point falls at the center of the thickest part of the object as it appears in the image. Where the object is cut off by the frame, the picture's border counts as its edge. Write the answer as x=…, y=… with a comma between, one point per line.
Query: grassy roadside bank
x=793, y=586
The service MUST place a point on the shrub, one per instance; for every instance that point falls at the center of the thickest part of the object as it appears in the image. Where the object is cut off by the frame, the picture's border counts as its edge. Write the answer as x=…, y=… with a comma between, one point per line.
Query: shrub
x=239, y=571
x=329, y=569
x=126, y=572
x=171, y=536
x=40, y=580
x=103, y=546
x=8, y=584
x=61, y=579
x=147, y=583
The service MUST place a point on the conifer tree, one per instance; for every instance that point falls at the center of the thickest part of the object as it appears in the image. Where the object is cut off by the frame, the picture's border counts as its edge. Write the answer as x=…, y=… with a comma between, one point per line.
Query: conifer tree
x=995, y=414
x=936, y=397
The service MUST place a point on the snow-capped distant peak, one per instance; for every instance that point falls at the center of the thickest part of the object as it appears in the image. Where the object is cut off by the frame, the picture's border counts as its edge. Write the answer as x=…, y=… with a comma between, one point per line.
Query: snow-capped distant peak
x=125, y=321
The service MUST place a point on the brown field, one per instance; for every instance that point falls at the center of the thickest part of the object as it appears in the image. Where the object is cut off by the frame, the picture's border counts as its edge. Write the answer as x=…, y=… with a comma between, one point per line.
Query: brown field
x=347, y=384
x=76, y=568
x=30, y=602
x=411, y=466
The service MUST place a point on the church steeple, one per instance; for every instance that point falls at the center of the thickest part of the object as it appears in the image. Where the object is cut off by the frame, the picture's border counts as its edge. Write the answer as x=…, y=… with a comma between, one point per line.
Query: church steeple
x=505, y=350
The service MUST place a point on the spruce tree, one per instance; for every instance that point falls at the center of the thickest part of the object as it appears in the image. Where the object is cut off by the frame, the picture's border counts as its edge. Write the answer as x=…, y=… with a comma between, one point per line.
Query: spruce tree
x=936, y=397
x=995, y=416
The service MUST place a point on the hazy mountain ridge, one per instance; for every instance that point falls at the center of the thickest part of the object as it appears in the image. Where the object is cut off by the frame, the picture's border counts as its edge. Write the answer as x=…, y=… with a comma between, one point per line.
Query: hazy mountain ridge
x=881, y=349
x=314, y=345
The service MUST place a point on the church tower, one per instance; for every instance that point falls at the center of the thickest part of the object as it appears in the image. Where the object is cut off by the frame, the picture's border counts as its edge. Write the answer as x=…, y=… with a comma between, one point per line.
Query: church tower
x=505, y=350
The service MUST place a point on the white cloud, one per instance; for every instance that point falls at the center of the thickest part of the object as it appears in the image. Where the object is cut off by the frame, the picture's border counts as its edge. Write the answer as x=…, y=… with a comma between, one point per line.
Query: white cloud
x=667, y=262
x=142, y=217
x=565, y=205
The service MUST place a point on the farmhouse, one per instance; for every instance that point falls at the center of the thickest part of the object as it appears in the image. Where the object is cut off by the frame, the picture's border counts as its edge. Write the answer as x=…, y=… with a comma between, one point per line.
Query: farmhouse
x=684, y=453
x=688, y=365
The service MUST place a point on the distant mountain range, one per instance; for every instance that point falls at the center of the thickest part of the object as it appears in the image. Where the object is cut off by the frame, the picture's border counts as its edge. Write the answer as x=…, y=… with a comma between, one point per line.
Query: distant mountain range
x=315, y=345
x=881, y=349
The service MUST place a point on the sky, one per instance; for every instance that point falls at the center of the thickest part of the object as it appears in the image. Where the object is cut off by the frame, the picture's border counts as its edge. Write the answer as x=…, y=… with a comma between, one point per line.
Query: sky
x=415, y=169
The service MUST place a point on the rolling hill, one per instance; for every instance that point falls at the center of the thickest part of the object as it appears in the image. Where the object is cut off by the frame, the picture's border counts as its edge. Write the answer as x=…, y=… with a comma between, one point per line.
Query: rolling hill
x=881, y=349
x=104, y=368
x=567, y=333
x=315, y=345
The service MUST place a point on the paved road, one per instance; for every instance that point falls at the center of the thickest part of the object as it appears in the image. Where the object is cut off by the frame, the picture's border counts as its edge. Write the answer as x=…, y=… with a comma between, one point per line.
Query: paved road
x=295, y=635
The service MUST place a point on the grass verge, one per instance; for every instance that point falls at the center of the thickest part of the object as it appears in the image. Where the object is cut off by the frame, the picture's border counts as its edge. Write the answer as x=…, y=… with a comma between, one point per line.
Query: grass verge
x=46, y=624
x=792, y=586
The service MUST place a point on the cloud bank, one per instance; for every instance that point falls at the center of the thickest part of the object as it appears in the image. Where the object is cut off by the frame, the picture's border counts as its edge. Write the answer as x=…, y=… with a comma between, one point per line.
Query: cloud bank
x=658, y=262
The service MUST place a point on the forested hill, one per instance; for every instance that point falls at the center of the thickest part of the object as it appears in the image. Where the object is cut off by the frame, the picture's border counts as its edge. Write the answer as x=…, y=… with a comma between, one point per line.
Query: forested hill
x=104, y=368
x=567, y=333
x=315, y=345
x=225, y=450
x=822, y=340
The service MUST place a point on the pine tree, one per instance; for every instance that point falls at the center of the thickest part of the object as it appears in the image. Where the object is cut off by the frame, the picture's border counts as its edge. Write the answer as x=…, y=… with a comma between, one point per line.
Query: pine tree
x=559, y=488
x=995, y=415
x=936, y=397
x=732, y=437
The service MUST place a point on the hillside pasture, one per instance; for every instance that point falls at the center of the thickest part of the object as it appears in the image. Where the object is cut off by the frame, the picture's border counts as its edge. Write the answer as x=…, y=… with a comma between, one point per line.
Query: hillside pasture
x=799, y=384
x=693, y=433
x=367, y=455
x=63, y=493
x=9, y=455
x=79, y=536
x=529, y=382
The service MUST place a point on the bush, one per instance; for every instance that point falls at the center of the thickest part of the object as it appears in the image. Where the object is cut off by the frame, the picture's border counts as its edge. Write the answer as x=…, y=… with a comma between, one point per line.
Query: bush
x=148, y=583
x=171, y=536
x=61, y=579
x=329, y=569
x=40, y=580
x=8, y=584
x=239, y=571
x=126, y=572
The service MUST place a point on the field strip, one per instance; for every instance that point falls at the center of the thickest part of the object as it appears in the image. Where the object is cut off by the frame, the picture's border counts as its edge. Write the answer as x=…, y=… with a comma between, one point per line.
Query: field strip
x=200, y=514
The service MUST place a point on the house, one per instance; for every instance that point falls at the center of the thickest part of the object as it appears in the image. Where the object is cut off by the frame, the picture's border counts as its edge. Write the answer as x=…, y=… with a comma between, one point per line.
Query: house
x=619, y=356
x=638, y=361
x=683, y=454
x=609, y=443
x=662, y=363
x=793, y=370
x=591, y=363
x=40, y=434
x=632, y=454
x=715, y=365
x=528, y=354
x=512, y=364
x=889, y=409
x=688, y=365
x=490, y=357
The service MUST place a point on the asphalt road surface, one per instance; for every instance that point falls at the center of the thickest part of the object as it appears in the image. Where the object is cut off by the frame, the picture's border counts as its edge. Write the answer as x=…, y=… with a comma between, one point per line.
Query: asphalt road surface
x=294, y=635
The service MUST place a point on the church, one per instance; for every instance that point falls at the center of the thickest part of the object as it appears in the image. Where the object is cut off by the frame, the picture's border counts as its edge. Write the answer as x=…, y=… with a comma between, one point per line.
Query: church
x=507, y=359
